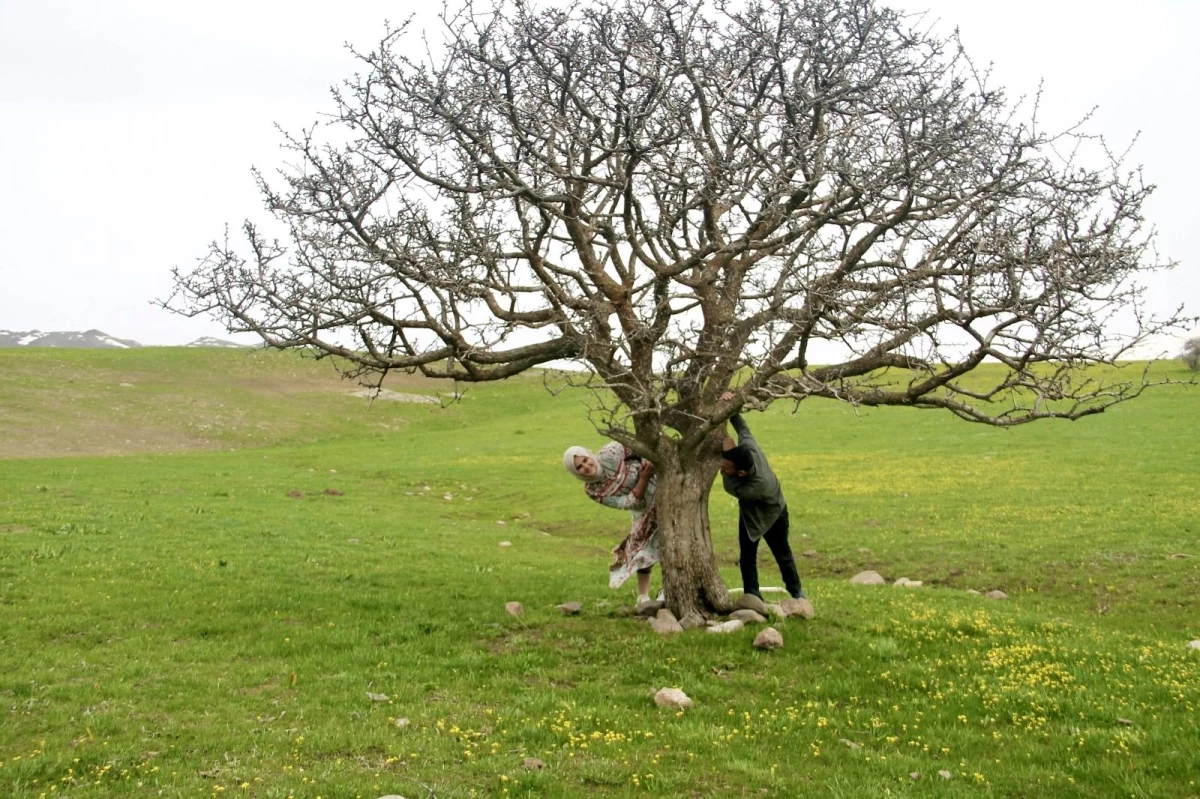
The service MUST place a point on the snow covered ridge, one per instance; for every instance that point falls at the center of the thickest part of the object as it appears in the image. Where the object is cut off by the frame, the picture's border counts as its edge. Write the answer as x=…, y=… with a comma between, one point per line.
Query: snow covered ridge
x=89, y=339
x=209, y=341
x=92, y=339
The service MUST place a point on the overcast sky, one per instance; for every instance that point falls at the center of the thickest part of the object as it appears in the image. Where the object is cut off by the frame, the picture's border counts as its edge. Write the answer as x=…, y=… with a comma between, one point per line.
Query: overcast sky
x=128, y=128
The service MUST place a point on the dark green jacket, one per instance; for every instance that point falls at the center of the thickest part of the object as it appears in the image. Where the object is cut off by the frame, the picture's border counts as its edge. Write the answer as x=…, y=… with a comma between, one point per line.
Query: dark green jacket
x=760, y=498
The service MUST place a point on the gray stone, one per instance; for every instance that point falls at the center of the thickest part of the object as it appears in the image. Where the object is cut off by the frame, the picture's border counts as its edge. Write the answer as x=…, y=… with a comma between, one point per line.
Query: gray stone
x=868, y=578
x=997, y=594
x=850, y=744
x=945, y=774
x=402, y=723
x=691, y=621
x=768, y=639
x=377, y=697
x=570, y=608
x=973, y=592
x=514, y=608
x=776, y=611
x=904, y=582
x=801, y=608
x=809, y=553
x=747, y=616
x=650, y=608
x=727, y=627
x=914, y=775
x=672, y=698
x=665, y=623
x=1194, y=644
x=751, y=602
x=533, y=764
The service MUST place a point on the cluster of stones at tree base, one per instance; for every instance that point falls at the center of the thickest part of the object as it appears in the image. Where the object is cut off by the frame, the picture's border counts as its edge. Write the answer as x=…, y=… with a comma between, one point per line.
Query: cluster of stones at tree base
x=749, y=610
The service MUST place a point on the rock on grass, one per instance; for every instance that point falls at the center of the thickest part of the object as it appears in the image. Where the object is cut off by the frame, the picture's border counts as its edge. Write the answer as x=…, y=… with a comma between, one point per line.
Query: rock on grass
x=747, y=616
x=868, y=577
x=650, y=608
x=672, y=698
x=801, y=608
x=730, y=626
x=751, y=602
x=768, y=639
x=665, y=623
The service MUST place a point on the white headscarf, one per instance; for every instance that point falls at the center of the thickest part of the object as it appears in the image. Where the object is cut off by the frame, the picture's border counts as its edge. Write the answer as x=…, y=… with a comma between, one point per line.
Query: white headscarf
x=569, y=463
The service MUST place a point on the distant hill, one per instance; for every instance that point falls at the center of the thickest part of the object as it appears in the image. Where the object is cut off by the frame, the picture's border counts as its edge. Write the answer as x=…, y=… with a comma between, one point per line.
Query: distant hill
x=88, y=339
x=209, y=341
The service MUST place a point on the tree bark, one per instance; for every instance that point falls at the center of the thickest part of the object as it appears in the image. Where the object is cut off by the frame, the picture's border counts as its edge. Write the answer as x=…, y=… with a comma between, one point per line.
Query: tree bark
x=690, y=577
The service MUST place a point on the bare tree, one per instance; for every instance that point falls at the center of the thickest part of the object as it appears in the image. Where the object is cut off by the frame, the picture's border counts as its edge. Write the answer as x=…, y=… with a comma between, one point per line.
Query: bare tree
x=685, y=197
x=1191, y=354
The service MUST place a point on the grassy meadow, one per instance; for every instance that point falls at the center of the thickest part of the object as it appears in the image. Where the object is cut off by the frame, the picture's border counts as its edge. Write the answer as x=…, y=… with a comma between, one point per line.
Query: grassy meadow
x=211, y=561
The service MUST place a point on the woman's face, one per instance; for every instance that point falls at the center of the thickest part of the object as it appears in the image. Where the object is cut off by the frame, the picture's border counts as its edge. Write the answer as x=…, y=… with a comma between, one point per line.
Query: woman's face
x=586, y=467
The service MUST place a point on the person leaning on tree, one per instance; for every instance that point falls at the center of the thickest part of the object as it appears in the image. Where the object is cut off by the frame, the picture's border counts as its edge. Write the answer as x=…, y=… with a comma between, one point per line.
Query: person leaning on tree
x=762, y=513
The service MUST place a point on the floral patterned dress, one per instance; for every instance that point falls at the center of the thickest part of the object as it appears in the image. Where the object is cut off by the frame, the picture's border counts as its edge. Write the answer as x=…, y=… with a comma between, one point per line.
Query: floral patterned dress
x=639, y=550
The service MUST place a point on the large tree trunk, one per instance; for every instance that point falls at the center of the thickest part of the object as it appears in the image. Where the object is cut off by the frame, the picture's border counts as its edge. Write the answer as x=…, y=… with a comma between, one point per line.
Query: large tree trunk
x=690, y=577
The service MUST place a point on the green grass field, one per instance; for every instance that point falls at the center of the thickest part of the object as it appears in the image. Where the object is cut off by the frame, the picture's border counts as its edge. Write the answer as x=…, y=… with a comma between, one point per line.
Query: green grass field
x=198, y=601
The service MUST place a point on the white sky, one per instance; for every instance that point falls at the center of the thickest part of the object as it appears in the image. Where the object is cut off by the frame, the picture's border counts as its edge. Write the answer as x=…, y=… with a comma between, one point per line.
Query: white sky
x=128, y=128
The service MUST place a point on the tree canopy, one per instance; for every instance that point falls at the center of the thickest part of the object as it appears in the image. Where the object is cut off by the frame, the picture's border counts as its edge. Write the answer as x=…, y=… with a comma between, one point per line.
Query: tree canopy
x=675, y=193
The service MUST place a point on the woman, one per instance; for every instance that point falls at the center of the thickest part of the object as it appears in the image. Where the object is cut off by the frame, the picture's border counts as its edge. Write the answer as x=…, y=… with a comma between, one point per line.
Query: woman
x=618, y=478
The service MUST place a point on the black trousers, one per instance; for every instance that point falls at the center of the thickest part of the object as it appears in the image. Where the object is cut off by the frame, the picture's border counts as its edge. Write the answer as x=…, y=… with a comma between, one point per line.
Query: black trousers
x=777, y=539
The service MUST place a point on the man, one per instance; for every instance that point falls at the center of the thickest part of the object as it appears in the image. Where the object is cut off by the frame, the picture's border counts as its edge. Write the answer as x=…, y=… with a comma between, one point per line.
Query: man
x=762, y=514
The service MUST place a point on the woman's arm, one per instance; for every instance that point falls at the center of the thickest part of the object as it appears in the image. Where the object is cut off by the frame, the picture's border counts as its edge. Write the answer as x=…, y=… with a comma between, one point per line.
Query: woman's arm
x=635, y=498
x=639, y=488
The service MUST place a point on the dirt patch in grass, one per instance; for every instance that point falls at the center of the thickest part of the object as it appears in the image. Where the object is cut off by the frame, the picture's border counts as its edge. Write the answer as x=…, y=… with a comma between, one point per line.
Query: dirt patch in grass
x=77, y=436
x=146, y=402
